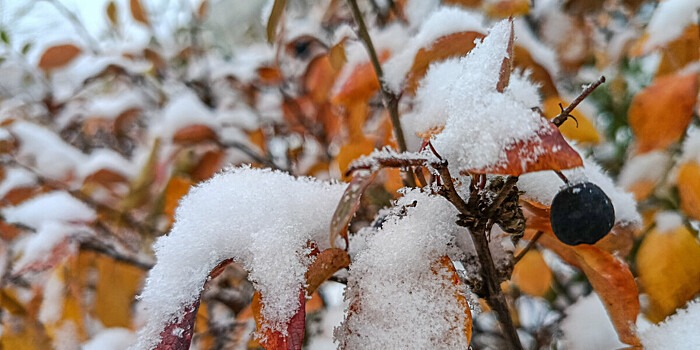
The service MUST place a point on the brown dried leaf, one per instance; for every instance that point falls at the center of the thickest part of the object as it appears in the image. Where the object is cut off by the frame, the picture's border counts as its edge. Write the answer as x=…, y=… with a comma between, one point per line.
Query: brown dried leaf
x=274, y=19
x=195, y=134
x=177, y=188
x=507, y=64
x=138, y=13
x=58, y=56
x=203, y=10
x=349, y=203
x=524, y=61
x=112, y=14
x=659, y=114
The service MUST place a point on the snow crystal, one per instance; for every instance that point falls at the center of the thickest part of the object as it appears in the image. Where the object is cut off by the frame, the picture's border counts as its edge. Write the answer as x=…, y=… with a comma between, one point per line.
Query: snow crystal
x=542, y=186
x=111, y=339
x=49, y=153
x=669, y=20
x=398, y=300
x=444, y=21
x=261, y=218
x=52, y=303
x=587, y=326
x=678, y=331
x=479, y=122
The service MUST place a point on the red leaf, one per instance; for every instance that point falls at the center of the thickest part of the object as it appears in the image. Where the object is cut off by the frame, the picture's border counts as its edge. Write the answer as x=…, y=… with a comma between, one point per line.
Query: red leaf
x=349, y=203
x=275, y=340
x=326, y=264
x=178, y=336
x=548, y=151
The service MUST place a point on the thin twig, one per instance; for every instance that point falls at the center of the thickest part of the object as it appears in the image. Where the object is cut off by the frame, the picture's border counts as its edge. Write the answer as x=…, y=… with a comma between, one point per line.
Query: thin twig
x=250, y=153
x=390, y=100
x=80, y=28
x=527, y=248
x=566, y=112
x=103, y=248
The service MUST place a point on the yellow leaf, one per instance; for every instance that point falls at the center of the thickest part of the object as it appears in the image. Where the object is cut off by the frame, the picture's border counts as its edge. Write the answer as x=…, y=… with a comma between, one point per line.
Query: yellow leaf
x=532, y=274
x=659, y=114
x=689, y=189
x=23, y=333
x=668, y=270
x=138, y=13
x=507, y=8
x=58, y=56
x=117, y=286
x=352, y=151
x=584, y=133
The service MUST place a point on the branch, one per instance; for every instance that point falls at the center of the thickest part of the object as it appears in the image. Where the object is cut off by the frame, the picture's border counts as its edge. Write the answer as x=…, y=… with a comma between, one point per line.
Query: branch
x=566, y=112
x=103, y=248
x=390, y=100
x=528, y=247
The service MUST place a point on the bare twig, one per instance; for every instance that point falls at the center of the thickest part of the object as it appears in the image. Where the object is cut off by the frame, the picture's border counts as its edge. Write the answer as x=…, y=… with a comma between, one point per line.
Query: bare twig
x=527, y=248
x=566, y=112
x=390, y=100
x=103, y=248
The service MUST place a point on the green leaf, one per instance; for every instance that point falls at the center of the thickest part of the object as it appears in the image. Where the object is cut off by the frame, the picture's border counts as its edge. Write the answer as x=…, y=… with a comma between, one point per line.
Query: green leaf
x=4, y=37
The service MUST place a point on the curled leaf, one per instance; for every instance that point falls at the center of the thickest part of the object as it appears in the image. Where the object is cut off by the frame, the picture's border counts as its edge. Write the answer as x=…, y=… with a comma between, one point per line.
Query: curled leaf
x=324, y=266
x=138, y=13
x=274, y=19
x=349, y=203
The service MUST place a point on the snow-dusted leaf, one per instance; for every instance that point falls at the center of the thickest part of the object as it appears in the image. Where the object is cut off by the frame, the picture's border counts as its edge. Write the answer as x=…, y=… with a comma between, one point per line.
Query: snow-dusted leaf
x=58, y=56
x=348, y=205
x=680, y=52
x=670, y=98
x=548, y=151
x=452, y=45
x=507, y=63
x=178, y=335
x=292, y=337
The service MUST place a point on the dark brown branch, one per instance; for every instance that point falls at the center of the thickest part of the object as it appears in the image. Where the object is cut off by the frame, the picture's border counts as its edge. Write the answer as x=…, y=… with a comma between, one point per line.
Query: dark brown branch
x=390, y=100
x=103, y=248
x=566, y=112
x=527, y=248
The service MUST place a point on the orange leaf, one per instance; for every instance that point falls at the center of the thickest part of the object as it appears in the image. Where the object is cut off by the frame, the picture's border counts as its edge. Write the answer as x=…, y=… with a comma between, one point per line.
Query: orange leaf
x=319, y=78
x=668, y=269
x=507, y=8
x=58, y=56
x=117, y=285
x=532, y=274
x=361, y=85
x=452, y=45
x=349, y=203
x=275, y=340
x=680, y=52
x=523, y=60
x=445, y=264
x=609, y=276
x=138, y=13
x=689, y=189
x=208, y=165
x=661, y=112
x=549, y=151
x=112, y=13
x=178, y=186
x=195, y=134
x=353, y=150
x=203, y=9
x=324, y=266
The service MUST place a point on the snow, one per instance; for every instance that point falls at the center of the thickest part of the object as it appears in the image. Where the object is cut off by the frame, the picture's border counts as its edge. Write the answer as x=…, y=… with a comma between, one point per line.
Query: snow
x=541, y=53
x=261, y=218
x=49, y=153
x=52, y=206
x=417, y=10
x=398, y=299
x=110, y=106
x=479, y=122
x=52, y=303
x=668, y=221
x=15, y=178
x=444, y=21
x=678, y=331
x=669, y=20
x=542, y=186
x=691, y=147
x=650, y=166
x=111, y=339
x=182, y=110
x=587, y=326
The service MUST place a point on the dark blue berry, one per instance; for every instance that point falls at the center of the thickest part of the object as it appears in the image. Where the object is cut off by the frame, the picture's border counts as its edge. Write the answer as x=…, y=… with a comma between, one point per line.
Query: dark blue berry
x=582, y=214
